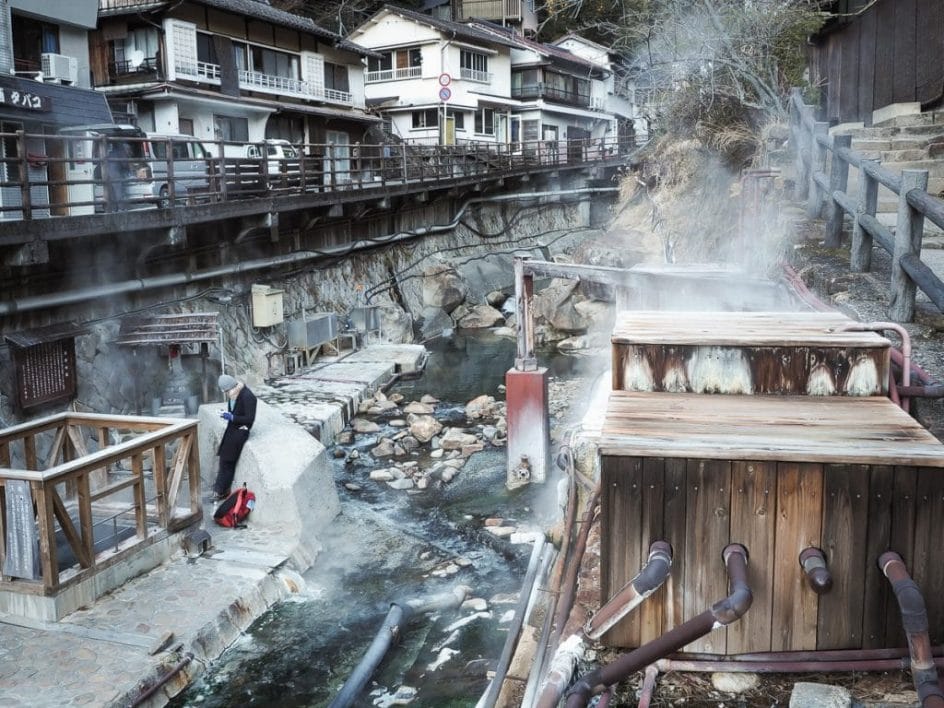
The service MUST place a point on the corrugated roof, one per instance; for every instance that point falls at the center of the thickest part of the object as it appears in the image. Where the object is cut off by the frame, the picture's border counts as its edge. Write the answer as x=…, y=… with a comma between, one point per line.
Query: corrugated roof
x=41, y=335
x=461, y=30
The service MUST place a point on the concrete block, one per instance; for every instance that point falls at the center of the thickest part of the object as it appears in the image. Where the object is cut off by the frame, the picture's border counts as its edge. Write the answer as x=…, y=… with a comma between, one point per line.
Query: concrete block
x=528, y=426
x=819, y=695
x=893, y=110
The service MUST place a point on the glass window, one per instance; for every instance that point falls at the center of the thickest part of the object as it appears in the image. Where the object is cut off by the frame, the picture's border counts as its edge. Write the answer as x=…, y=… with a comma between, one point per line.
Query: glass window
x=382, y=63
x=473, y=61
x=426, y=119
x=31, y=39
x=335, y=77
x=485, y=121
x=206, y=50
x=231, y=128
x=458, y=117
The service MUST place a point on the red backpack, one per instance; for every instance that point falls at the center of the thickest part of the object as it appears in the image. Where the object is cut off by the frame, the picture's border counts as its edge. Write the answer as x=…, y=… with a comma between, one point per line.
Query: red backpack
x=235, y=508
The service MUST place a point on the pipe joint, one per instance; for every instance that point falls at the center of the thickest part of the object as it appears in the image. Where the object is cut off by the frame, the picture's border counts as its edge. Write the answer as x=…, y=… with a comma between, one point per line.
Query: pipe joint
x=914, y=615
x=739, y=601
x=656, y=569
x=813, y=562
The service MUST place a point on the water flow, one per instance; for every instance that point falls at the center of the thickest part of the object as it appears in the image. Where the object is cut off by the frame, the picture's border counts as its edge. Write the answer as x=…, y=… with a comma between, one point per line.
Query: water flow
x=389, y=545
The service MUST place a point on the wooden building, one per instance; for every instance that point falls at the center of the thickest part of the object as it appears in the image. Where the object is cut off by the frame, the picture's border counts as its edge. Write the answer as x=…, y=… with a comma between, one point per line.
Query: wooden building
x=852, y=475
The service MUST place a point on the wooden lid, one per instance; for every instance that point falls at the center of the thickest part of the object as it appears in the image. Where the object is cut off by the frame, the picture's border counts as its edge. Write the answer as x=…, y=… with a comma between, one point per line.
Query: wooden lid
x=826, y=429
x=745, y=329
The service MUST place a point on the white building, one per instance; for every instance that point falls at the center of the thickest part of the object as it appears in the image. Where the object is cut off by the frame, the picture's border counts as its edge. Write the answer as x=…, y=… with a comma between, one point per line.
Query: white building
x=438, y=81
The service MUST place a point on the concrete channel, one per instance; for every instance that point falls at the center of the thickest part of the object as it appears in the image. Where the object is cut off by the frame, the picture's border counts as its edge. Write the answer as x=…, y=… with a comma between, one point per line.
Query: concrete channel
x=145, y=641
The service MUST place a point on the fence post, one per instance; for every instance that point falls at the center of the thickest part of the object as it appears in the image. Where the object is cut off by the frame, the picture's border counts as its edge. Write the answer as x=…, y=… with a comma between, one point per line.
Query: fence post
x=908, y=231
x=838, y=181
x=814, y=202
x=860, y=258
x=802, y=184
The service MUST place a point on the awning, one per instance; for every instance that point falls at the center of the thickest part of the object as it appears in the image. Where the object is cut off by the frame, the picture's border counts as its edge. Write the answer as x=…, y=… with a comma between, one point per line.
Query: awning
x=42, y=335
x=27, y=101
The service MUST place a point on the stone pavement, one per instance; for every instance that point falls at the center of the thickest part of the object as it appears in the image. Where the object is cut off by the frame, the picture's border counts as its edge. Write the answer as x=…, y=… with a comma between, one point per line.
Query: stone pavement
x=188, y=609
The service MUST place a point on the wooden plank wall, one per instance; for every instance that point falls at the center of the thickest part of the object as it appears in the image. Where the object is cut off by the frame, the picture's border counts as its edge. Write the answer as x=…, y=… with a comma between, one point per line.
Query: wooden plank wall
x=891, y=53
x=775, y=509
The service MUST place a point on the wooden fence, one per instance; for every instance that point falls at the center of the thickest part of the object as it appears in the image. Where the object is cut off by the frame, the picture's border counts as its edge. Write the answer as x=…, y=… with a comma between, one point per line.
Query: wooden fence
x=92, y=490
x=826, y=196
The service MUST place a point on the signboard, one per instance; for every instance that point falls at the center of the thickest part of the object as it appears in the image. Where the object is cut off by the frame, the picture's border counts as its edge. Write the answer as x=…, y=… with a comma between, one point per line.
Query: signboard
x=445, y=79
x=22, y=558
x=23, y=99
x=444, y=94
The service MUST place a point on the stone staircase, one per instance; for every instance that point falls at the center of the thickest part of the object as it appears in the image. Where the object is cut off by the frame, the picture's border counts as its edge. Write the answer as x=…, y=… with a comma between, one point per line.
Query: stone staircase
x=904, y=142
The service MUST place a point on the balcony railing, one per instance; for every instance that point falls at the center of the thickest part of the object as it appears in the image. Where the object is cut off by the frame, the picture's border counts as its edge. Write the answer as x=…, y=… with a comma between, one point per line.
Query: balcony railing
x=268, y=83
x=475, y=75
x=409, y=72
x=88, y=502
x=490, y=9
x=551, y=93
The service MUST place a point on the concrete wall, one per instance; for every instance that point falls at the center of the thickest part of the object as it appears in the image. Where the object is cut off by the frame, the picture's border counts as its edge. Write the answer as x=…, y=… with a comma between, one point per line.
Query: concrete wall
x=285, y=467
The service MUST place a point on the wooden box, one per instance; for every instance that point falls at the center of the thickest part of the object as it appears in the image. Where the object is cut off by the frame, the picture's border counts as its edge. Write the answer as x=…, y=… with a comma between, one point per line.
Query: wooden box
x=852, y=476
x=748, y=353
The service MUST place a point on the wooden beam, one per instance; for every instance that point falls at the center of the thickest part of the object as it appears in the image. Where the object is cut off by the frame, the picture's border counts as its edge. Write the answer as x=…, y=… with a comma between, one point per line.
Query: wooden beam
x=82, y=552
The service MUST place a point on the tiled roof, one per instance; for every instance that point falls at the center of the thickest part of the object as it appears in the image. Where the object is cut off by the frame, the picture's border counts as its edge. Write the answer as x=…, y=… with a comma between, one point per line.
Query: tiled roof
x=460, y=30
x=550, y=51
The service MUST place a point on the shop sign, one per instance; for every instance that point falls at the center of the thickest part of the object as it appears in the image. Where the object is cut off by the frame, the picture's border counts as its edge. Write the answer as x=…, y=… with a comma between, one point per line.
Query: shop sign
x=23, y=99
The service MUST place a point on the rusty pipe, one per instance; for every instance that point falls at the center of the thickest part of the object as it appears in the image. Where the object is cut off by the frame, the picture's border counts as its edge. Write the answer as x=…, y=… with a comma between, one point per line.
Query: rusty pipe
x=646, y=582
x=801, y=655
x=813, y=562
x=648, y=686
x=788, y=667
x=157, y=685
x=935, y=390
x=905, y=346
x=720, y=614
x=914, y=618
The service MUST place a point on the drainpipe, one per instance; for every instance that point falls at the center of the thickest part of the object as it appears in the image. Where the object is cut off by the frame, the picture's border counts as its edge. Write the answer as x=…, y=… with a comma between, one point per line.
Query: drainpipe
x=721, y=614
x=70, y=297
x=397, y=618
x=905, y=347
x=914, y=617
x=813, y=562
x=653, y=574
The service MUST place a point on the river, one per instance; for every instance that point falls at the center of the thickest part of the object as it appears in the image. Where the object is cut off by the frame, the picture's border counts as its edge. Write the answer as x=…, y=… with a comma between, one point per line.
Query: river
x=388, y=545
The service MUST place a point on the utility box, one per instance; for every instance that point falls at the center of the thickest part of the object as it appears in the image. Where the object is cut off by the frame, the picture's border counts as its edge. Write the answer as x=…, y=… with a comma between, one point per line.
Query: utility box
x=365, y=319
x=313, y=330
x=266, y=306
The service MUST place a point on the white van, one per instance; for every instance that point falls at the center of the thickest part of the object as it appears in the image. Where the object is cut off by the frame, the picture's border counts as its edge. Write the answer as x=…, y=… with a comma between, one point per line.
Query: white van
x=107, y=168
x=191, y=162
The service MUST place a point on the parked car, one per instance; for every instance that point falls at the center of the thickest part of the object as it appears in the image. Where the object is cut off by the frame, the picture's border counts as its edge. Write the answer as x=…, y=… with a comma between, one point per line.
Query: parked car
x=190, y=162
x=283, y=164
x=107, y=168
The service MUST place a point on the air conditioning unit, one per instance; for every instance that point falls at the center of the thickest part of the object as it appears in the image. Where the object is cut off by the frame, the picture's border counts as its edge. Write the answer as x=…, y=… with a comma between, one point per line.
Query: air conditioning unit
x=60, y=69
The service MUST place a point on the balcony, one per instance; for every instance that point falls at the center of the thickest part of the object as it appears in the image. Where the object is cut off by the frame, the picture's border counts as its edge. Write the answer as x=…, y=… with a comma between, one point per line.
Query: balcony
x=484, y=77
x=409, y=72
x=551, y=93
x=489, y=10
x=266, y=83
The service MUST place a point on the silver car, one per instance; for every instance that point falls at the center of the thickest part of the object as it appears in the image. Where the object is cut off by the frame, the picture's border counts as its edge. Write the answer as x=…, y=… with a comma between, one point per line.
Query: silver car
x=190, y=166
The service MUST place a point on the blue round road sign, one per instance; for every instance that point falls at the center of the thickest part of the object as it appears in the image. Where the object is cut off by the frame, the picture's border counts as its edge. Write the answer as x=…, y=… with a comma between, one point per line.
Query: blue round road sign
x=444, y=94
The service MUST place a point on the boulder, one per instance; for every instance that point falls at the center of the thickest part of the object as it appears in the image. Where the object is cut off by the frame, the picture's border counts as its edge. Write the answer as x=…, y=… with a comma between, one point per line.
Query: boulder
x=481, y=316
x=479, y=407
x=360, y=425
x=556, y=304
x=424, y=427
x=418, y=408
x=442, y=287
x=496, y=298
x=435, y=322
x=456, y=439
x=385, y=448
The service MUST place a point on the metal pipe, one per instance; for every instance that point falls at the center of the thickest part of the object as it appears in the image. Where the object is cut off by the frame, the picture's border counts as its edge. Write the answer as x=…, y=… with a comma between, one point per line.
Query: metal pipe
x=721, y=614
x=399, y=615
x=70, y=297
x=648, y=686
x=653, y=574
x=815, y=655
x=905, y=346
x=157, y=685
x=930, y=391
x=788, y=667
x=914, y=618
x=813, y=562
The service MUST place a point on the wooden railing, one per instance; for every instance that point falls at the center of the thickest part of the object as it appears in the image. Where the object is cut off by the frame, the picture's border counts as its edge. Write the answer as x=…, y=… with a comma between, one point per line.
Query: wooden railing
x=46, y=176
x=92, y=490
x=825, y=195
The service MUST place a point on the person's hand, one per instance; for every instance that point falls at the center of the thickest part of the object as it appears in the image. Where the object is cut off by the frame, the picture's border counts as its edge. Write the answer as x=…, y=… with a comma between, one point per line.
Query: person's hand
x=226, y=415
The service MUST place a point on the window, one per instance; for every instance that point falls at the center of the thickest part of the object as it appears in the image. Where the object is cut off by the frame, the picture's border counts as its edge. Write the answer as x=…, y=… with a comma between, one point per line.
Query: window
x=335, y=77
x=10, y=152
x=206, y=51
x=231, y=129
x=261, y=60
x=458, y=117
x=426, y=119
x=485, y=121
x=137, y=51
x=397, y=64
x=31, y=39
x=473, y=66
x=382, y=63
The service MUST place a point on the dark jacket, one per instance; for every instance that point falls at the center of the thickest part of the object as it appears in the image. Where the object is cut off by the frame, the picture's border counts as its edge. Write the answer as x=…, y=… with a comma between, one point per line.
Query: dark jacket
x=237, y=429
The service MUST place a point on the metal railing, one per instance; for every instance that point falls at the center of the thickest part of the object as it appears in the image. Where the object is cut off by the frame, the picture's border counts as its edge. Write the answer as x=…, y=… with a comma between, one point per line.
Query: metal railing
x=49, y=176
x=825, y=195
x=69, y=477
x=484, y=77
x=409, y=72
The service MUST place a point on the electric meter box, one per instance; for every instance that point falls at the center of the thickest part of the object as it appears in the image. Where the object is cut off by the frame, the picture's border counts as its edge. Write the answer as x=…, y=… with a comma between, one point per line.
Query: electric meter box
x=266, y=306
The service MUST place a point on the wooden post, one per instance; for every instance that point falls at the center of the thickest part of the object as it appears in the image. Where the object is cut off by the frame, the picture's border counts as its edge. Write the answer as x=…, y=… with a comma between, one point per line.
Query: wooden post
x=814, y=203
x=802, y=184
x=909, y=229
x=524, y=293
x=26, y=200
x=838, y=181
x=860, y=259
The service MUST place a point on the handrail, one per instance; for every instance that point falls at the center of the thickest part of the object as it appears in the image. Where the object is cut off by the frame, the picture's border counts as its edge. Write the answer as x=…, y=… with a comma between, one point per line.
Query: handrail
x=75, y=478
x=76, y=175
x=826, y=192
